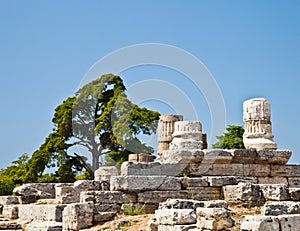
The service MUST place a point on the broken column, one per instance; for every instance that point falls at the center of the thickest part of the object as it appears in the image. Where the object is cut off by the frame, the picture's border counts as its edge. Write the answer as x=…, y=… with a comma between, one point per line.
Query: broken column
x=165, y=130
x=257, y=124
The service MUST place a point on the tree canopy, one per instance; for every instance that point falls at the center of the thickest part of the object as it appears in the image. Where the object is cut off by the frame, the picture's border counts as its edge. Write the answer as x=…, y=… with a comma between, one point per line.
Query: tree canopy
x=232, y=139
x=99, y=119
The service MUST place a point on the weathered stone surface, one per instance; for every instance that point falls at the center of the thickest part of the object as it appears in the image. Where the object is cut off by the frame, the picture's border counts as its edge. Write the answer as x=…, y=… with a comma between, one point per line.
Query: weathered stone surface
x=193, y=182
x=227, y=170
x=182, y=156
x=6, y=224
x=144, y=183
x=9, y=200
x=218, y=156
x=44, y=226
x=204, y=193
x=104, y=173
x=289, y=222
x=78, y=216
x=152, y=225
x=175, y=216
x=272, y=180
x=260, y=223
x=257, y=123
x=245, y=193
x=294, y=194
x=294, y=182
x=87, y=185
x=104, y=216
x=66, y=194
x=243, y=156
x=176, y=227
x=214, y=218
x=275, y=192
x=104, y=197
x=161, y=196
x=192, y=204
x=140, y=169
x=285, y=170
x=219, y=181
x=10, y=211
x=280, y=208
x=201, y=169
x=272, y=157
x=40, y=190
x=141, y=157
x=32, y=212
x=257, y=170
x=107, y=208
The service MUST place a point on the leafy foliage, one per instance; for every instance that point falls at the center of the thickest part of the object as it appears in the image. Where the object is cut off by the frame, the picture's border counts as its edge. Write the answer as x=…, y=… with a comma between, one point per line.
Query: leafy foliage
x=232, y=139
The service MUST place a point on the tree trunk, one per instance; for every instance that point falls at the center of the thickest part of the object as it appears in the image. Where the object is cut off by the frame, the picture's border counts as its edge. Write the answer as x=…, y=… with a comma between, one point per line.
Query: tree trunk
x=95, y=161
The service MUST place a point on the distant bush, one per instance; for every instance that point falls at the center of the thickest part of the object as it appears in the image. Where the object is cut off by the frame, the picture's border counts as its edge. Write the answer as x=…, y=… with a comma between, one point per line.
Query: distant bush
x=6, y=186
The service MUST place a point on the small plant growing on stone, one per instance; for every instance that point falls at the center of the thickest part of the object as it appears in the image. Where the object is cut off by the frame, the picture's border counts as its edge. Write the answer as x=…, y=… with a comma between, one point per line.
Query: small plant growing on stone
x=132, y=210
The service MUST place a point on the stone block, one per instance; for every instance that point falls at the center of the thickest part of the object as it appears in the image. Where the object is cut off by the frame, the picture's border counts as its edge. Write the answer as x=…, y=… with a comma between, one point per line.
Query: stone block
x=104, y=173
x=140, y=169
x=201, y=169
x=152, y=225
x=87, y=185
x=33, y=212
x=6, y=224
x=204, y=193
x=260, y=223
x=192, y=204
x=214, y=218
x=257, y=170
x=281, y=208
x=193, y=182
x=40, y=190
x=176, y=227
x=144, y=183
x=107, y=208
x=78, y=216
x=247, y=193
x=275, y=192
x=272, y=157
x=294, y=182
x=66, y=194
x=175, y=216
x=243, y=156
x=219, y=181
x=272, y=180
x=181, y=156
x=44, y=226
x=289, y=222
x=9, y=200
x=218, y=156
x=285, y=170
x=141, y=157
x=104, y=197
x=10, y=211
x=161, y=196
x=104, y=216
x=294, y=194
x=227, y=170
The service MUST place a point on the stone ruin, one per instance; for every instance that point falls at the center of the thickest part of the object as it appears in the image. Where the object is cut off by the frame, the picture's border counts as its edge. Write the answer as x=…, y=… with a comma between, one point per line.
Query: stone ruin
x=190, y=187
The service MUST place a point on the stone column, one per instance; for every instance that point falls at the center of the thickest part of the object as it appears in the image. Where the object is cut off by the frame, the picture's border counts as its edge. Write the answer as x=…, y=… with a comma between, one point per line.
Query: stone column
x=165, y=130
x=187, y=135
x=257, y=124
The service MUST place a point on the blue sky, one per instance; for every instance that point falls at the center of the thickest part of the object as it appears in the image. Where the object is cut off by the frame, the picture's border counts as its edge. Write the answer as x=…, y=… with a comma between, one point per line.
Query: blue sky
x=252, y=48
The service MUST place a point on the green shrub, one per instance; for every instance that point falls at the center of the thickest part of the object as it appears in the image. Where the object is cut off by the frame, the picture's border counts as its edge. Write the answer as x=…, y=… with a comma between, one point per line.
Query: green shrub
x=6, y=186
x=132, y=210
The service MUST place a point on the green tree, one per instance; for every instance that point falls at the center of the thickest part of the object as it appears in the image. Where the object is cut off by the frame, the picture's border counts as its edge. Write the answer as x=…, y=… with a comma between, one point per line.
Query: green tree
x=99, y=118
x=232, y=139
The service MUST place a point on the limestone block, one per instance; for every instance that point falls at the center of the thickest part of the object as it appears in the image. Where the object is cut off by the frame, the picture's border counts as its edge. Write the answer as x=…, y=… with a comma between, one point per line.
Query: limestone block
x=244, y=193
x=272, y=180
x=219, y=181
x=201, y=169
x=281, y=208
x=294, y=194
x=289, y=222
x=175, y=216
x=78, y=216
x=33, y=212
x=10, y=211
x=141, y=157
x=140, y=169
x=294, y=182
x=227, y=170
x=104, y=197
x=104, y=173
x=218, y=156
x=182, y=156
x=257, y=170
x=204, y=193
x=177, y=227
x=260, y=223
x=66, y=194
x=244, y=156
x=40, y=190
x=193, y=182
x=161, y=196
x=275, y=192
x=6, y=224
x=9, y=200
x=192, y=204
x=285, y=170
x=87, y=185
x=107, y=208
x=152, y=225
x=272, y=157
x=104, y=216
x=214, y=218
x=44, y=226
x=144, y=183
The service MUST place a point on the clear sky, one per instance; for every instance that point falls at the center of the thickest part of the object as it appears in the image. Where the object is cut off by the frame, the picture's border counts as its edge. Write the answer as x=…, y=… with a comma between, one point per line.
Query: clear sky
x=252, y=48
